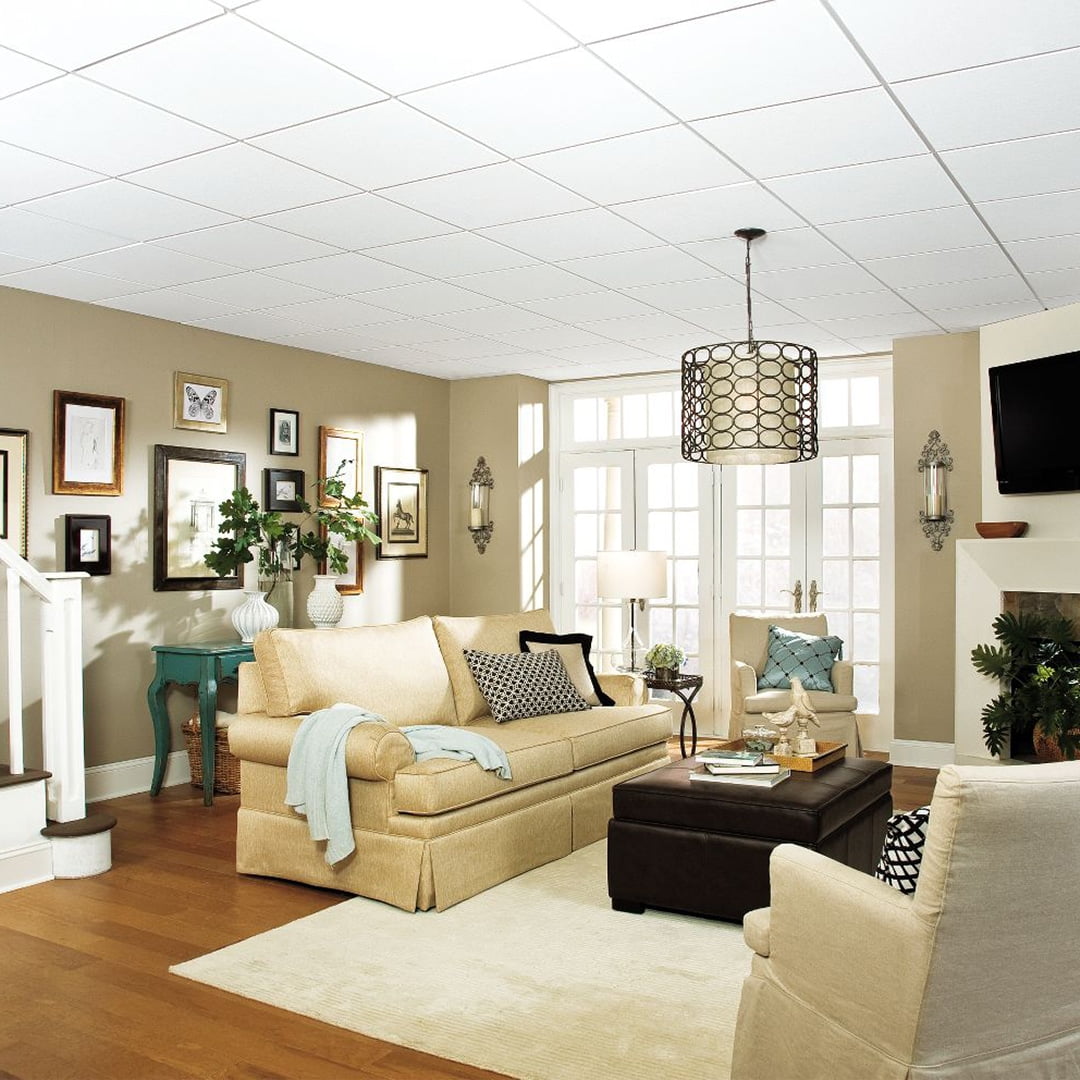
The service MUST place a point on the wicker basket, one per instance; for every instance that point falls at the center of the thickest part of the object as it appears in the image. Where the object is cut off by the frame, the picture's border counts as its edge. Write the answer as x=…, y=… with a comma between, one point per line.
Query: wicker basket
x=226, y=767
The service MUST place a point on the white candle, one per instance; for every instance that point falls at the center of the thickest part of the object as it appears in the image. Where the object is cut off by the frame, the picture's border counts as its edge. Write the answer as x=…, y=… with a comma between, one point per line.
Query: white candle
x=476, y=518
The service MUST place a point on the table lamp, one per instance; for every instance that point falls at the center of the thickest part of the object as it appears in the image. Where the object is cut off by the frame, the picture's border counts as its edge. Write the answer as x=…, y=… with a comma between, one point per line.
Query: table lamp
x=636, y=576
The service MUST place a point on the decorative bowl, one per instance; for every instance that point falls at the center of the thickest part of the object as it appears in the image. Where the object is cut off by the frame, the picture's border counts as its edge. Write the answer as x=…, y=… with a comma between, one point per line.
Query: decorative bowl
x=1000, y=530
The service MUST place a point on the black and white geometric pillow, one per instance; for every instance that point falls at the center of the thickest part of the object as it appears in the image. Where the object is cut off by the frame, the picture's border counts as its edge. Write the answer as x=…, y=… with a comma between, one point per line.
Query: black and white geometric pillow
x=516, y=685
x=901, y=857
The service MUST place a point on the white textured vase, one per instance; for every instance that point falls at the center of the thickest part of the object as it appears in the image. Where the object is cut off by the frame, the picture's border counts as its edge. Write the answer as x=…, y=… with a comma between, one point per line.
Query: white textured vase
x=325, y=605
x=254, y=615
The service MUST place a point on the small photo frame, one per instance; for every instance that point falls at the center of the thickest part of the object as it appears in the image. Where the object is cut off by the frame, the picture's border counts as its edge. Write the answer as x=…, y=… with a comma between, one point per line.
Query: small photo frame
x=351, y=583
x=200, y=403
x=341, y=453
x=285, y=432
x=14, y=462
x=88, y=444
x=88, y=543
x=401, y=503
x=283, y=489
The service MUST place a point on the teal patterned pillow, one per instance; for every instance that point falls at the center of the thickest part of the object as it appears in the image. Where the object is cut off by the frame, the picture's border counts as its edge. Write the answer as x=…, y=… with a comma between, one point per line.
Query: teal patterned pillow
x=799, y=656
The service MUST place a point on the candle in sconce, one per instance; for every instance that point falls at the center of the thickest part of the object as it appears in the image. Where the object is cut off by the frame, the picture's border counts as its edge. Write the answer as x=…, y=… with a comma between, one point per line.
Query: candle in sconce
x=934, y=492
x=476, y=518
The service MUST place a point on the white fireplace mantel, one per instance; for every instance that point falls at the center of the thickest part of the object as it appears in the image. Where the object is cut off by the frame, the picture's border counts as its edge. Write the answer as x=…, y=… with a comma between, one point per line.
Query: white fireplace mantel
x=984, y=570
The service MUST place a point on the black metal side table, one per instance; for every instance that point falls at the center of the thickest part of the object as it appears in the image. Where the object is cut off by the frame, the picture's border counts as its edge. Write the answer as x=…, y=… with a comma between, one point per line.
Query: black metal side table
x=685, y=688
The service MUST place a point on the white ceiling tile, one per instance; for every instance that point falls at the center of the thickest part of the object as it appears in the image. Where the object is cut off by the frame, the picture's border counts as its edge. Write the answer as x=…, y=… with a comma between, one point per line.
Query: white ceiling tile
x=644, y=364
x=636, y=327
x=491, y=195
x=337, y=312
x=346, y=272
x=909, y=234
x=882, y=343
x=921, y=37
x=9, y=264
x=972, y=318
x=71, y=33
x=1015, y=100
x=42, y=239
x=824, y=133
x=379, y=145
x=743, y=59
x=63, y=281
x=527, y=283
x=558, y=337
x=25, y=175
x=125, y=210
x=601, y=19
x=252, y=324
x=591, y=306
x=1020, y=167
x=1052, y=284
x=225, y=179
x=403, y=47
x=852, y=304
x=1054, y=253
x=410, y=332
x=151, y=265
x=424, y=298
x=672, y=346
x=880, y=326
x=542, y=104
x=862, y=191
x=610, y=352
x=961, y=294
x=473, y=348
x=638, y=166
x=812, y=281
x=243, y=291
x=941, y=267
x=169, y=304
x=702, y=292
x=451, y=255
x=1034, y=217
x=720, y=316
x=489, y=320
x=572, y=236
x=97, y=128
x=246, y=244
x=20, y=72
x=360, y=221
x=651, y=266
x=785, y=249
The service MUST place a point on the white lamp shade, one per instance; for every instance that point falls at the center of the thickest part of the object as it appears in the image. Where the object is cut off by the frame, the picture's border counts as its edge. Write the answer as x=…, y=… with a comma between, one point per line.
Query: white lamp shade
x=631, y=575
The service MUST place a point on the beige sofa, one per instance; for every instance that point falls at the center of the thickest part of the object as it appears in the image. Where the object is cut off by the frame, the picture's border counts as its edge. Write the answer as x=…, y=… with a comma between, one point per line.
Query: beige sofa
x=428, y=834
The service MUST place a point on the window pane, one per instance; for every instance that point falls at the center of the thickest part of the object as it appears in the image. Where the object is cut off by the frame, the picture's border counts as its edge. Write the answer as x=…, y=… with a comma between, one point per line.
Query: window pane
x=688, y=630
x=867, y=680
x=585, y=412
x=585, y=489
x=687, y=540
x=865, y=528
x=661, y=413
x=660, y=536
x=748, y=485
x=867, y=644
x=748, y=532
x=659, y=486
x=833, y=403
x=865, y=401
x=834, y=480
x=585, y=621
x=686, y=581
x=585, y=581
x=661, y=626
x=864, y=478
x=777, y=485
x=635, y=419
x=867, y=588
x=840, y=625
x=834, y=585
x=686, y=484
x=834, y=532
x=748, y=583
x=585, y=526
x=777, y=579
x=777, y=532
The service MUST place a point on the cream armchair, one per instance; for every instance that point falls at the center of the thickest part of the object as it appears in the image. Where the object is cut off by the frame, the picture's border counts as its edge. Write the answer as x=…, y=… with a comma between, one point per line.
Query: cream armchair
x=749, y=638
x=976, y=974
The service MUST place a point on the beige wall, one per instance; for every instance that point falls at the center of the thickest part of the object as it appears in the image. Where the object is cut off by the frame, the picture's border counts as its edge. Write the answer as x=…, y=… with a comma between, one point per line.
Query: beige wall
x=50, y=343
x=935, y=387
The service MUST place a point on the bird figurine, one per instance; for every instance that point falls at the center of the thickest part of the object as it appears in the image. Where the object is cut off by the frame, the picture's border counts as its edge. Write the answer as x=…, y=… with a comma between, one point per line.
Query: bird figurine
x=782, y=721
x=804, y=715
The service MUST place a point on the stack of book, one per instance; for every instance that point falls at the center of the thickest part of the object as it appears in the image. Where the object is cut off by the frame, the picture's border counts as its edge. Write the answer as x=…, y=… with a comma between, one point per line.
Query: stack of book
x=739, y=767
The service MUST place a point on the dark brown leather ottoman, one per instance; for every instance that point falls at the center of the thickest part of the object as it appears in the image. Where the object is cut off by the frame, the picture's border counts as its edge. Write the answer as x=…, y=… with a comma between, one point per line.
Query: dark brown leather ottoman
x=704, y=848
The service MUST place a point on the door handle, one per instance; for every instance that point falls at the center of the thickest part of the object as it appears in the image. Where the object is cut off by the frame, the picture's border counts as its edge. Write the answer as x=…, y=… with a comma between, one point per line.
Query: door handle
x=814, y=593
x=796, y=595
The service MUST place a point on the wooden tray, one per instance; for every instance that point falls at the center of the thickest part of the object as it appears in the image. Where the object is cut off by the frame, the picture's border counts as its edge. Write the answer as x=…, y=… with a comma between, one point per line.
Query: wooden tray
x=828, y=752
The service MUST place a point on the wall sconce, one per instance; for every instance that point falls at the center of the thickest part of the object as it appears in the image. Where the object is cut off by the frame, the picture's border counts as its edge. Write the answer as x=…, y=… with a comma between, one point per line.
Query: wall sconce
x=935, y=464
x=480, y=524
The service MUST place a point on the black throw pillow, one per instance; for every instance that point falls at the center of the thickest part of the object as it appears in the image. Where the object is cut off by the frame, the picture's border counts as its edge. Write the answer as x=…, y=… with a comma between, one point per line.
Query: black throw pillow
x=535, y=637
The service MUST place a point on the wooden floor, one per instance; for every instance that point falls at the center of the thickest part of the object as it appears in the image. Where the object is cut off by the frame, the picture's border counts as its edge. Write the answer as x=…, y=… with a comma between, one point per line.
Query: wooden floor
x=84, y=986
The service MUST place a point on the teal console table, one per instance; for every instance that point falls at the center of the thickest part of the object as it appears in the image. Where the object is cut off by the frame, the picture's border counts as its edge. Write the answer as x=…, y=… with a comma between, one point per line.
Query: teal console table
x=204, y=665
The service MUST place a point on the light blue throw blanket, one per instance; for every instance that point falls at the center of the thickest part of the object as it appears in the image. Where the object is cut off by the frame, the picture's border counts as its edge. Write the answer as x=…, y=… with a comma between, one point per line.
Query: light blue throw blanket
x=317, y=784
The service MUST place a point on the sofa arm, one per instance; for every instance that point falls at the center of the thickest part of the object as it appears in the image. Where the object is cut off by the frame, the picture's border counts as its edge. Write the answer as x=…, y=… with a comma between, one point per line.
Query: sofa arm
x=625, y=689
x=250, y=695
x=842, y=677
x=743, y=685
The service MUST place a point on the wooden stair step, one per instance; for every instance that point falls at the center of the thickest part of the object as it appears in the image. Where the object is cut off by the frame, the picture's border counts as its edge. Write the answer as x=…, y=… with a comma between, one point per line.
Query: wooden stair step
x=27, y=776
x=90, y=825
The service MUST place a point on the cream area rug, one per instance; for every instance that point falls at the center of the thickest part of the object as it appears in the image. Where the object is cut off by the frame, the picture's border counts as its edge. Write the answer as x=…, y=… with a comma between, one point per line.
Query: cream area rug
x=536, y=978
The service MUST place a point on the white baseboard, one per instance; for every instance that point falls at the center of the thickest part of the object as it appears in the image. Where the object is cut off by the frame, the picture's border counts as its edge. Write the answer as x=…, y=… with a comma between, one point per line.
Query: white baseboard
x=27, y=865
x=134, y=777
x=920, y=754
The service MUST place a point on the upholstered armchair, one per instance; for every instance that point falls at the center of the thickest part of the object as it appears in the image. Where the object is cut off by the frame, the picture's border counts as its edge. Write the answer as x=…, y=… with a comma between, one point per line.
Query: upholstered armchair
x=976, y=974
x=749, y=639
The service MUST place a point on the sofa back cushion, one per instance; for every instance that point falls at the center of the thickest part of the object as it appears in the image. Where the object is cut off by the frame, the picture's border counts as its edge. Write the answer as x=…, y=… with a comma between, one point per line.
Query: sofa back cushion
x=395, y=670
x=487, y=633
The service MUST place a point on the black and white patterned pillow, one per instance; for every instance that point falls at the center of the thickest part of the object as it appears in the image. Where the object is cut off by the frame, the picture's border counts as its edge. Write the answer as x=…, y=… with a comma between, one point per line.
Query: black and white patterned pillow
x=901, y=857
x=516, y=685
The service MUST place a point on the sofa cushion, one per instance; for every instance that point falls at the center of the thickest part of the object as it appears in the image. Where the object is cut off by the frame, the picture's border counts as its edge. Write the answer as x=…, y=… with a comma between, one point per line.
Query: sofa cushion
x=394, y=670
x=799, y=656
x=488, y=633
x=574, y=650
x=779, y=700
x=517, y=685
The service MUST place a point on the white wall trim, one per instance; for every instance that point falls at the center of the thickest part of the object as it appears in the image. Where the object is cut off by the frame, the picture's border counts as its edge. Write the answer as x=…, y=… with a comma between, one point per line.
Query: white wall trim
x=922, y=755
x=133, y=777
x=27, y=865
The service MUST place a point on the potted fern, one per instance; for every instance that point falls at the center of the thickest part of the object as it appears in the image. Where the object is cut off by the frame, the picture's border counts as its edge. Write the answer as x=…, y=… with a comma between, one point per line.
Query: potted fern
x=1037, y=662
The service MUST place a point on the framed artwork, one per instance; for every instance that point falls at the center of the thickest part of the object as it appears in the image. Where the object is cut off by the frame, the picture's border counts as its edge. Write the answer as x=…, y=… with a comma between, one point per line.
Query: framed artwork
x=283, y=489
x=88, y=444
x=88, y=543
x=189, y=487
x=200, y=403
x=341, y=452
x=285, y=432
x=14, y=462
x=351, y=583
x=401, y=503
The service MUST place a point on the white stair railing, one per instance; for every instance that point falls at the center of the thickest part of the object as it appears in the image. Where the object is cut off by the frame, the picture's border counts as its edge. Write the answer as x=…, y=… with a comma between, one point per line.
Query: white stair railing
x=61, y=680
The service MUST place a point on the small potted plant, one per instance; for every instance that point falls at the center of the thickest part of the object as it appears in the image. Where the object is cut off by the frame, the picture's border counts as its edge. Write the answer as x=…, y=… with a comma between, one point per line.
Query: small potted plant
x=665, y=660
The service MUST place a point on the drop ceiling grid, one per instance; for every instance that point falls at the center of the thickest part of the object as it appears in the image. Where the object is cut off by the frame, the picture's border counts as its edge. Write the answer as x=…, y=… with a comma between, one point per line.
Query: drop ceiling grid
x=463, y=194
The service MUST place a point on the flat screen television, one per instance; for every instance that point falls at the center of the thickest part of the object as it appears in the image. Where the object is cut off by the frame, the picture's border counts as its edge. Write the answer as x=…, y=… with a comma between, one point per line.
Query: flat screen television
x=1035, y=412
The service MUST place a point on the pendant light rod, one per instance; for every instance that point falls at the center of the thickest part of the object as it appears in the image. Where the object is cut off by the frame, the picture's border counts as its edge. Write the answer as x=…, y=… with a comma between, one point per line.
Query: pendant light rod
x=749, y=235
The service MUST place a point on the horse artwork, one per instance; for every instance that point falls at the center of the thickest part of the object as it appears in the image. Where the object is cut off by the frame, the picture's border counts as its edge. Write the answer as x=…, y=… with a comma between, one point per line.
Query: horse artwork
x=401, y=521
x=401, y=504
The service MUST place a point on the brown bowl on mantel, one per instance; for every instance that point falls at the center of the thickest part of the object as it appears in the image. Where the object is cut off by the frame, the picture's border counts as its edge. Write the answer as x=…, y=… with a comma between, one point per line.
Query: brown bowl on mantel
x=1000, y=530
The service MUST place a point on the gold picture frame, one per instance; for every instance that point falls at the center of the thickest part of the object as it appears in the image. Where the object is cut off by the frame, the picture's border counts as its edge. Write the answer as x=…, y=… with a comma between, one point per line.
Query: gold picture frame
x=200, y=403
x=351, y=583
x=14, y=489
x=341, y=451
x=88, y=444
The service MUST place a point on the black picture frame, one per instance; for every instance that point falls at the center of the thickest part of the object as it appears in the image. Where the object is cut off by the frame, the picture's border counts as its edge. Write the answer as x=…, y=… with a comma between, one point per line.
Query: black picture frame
x=401, y=506
x=284, y=432
x=88, y=544
x=277, y=483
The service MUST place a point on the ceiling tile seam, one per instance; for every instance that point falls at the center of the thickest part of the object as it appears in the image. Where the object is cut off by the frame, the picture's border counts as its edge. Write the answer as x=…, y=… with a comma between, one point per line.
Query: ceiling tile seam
x=986, y=64
x=60, y=74
x=834, y=15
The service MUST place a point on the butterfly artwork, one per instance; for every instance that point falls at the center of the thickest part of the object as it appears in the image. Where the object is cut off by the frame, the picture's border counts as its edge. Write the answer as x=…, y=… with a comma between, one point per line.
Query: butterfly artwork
x=200, y=402
x=200, y=406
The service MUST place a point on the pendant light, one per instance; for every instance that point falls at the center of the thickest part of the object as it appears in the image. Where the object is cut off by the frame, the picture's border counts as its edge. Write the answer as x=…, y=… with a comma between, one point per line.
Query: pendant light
x=749, y=402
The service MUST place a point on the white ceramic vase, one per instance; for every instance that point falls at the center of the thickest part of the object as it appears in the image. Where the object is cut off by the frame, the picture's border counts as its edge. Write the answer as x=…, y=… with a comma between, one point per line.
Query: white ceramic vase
x=254, y=615
x=325, y=605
